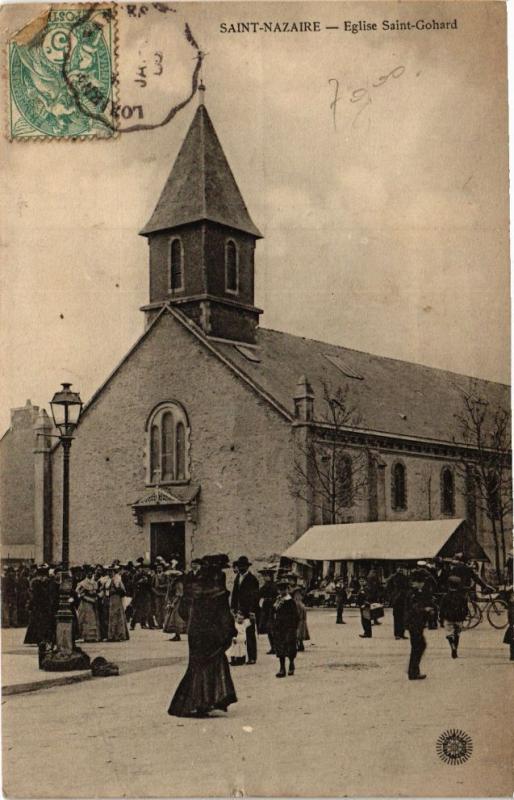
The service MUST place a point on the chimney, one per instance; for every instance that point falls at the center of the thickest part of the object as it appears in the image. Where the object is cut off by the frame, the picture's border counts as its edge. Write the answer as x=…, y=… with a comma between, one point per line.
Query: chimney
x=304, y=400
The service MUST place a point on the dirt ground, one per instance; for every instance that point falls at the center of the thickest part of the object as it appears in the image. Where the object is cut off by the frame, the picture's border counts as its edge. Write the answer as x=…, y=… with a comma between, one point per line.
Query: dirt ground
x=348, y=723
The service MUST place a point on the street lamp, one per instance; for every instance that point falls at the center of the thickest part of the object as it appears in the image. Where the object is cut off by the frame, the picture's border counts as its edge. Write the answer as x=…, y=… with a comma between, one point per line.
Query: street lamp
x=66, y=409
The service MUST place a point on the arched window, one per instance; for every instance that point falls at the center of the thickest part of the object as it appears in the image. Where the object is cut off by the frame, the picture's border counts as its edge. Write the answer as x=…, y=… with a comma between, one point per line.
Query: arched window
x=231, y=267
x=345, y=481
x=176, y=265
x=447, y=491
x=398, y=488
x=168, y=444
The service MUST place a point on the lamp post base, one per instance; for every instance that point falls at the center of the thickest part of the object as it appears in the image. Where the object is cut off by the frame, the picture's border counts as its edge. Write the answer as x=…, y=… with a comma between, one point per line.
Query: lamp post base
x=66, y=657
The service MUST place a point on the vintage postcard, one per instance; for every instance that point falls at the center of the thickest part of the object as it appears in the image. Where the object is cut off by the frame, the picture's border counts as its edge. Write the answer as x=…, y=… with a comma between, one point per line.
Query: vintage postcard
x=255, y=463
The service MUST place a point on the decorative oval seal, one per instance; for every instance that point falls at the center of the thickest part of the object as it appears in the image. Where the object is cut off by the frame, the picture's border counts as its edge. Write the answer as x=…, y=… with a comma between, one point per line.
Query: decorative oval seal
x=454, y=746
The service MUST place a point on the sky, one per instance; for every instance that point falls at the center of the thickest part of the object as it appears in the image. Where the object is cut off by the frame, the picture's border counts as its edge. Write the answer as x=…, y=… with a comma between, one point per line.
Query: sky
x=385, y=218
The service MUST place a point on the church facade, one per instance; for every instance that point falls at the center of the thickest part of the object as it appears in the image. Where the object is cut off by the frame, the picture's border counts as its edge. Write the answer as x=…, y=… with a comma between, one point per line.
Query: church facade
x=201, y=440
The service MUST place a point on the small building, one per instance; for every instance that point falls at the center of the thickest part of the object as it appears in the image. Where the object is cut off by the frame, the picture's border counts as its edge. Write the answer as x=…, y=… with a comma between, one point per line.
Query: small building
x=199, y=440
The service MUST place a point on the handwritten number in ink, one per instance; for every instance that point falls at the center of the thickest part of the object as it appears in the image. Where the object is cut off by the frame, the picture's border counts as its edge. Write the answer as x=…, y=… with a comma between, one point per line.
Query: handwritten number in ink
x=333, y=104
x=158, y=59
x=358, y=94
x=361, y=94
x=397, y=72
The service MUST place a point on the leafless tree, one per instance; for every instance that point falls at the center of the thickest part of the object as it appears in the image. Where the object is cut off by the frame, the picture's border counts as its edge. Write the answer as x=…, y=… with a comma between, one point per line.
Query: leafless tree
x=485, y=468
x=326, y=475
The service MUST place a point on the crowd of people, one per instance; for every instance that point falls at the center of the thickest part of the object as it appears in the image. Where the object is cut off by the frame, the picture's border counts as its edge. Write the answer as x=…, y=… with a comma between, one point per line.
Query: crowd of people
x=222, y=626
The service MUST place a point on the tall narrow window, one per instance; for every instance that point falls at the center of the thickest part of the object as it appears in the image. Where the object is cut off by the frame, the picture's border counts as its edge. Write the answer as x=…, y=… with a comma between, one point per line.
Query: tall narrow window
x=231, y=267
x=180, y=458
x=167, y=446
x=493, y=496
x=176, y=270
x=447, y=492
x=155, y=454
x=345, y=481
x=398, y=489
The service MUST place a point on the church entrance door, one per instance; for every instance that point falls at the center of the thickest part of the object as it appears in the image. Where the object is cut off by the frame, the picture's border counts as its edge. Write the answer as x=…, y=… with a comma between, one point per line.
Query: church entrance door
x=168, y=539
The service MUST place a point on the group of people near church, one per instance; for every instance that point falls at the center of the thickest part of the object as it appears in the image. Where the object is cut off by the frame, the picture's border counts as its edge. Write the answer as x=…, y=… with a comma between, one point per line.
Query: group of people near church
x=105, y=599
x=224, y=625
x=431, y=593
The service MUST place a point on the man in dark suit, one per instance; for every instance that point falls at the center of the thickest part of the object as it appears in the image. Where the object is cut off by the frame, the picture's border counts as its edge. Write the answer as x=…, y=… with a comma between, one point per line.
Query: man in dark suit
x=245, y=599
x=417, y=611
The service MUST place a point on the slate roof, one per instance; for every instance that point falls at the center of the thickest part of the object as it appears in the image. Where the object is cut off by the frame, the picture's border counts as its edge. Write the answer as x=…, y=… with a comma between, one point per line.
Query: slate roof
x=201, y=185
x=391, y=396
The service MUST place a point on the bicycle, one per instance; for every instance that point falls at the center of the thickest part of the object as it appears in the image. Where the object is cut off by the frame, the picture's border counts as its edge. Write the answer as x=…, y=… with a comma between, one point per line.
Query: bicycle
x=495, y=609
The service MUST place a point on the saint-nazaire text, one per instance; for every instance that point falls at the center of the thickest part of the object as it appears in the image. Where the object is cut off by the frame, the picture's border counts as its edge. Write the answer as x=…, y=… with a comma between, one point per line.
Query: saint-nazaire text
x=346, y=26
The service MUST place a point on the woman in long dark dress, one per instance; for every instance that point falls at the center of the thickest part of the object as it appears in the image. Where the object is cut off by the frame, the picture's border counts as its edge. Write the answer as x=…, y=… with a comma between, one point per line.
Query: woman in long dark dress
x=207, y=684
x=40, y=627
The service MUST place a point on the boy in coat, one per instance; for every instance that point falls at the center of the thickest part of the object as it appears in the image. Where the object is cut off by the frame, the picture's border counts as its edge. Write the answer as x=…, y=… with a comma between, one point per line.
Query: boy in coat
x=285, y=624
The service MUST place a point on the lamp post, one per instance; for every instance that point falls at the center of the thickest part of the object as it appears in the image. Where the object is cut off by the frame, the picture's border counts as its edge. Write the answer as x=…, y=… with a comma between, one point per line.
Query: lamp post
x=66, y=409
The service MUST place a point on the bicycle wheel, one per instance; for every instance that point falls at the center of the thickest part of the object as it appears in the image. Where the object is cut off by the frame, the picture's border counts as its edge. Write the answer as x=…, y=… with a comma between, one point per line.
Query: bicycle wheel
x=497, y=611
x=474, y=616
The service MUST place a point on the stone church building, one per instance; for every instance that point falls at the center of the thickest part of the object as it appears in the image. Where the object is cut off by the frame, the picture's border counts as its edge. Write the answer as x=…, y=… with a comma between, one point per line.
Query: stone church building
x=192, y=444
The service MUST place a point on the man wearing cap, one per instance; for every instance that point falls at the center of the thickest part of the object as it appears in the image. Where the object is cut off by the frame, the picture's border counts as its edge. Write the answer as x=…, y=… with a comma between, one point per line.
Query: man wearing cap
x=453, y=611
x=245, y=598
x=417, y=609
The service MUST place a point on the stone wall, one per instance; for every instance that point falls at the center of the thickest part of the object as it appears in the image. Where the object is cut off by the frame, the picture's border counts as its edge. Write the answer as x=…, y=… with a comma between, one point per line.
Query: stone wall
x=241, y=455
x=17, y=477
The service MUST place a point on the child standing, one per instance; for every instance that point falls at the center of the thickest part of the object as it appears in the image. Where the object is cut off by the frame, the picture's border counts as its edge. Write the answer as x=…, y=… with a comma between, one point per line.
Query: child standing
x=453, y=611
x=237, y=650
x=285, y=626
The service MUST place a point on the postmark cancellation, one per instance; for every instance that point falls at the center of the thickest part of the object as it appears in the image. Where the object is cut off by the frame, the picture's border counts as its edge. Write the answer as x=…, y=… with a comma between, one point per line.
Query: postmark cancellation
x=62, y=74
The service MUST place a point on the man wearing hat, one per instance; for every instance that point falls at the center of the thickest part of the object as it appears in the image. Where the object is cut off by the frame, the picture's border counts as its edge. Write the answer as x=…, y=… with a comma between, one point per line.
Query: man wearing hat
x=245, y=599
x=453, y=611
x=417, y=610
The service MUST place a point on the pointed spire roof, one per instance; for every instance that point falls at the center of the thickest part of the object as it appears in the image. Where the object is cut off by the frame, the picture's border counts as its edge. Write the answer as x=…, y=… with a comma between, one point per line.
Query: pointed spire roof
x=201, y=185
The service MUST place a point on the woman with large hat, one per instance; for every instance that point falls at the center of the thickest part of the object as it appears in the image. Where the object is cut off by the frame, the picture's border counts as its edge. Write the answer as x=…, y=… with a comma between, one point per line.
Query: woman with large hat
x=117, y=630
x=89, y=624
x=207, y=684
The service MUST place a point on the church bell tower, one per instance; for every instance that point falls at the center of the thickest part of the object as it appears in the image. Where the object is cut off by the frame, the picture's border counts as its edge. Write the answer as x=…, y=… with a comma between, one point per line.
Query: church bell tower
x=202, y=240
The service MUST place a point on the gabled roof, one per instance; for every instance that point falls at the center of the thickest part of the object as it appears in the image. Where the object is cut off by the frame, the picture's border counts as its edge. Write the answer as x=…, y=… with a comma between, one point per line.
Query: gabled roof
x=391, y=396
x=201, y=185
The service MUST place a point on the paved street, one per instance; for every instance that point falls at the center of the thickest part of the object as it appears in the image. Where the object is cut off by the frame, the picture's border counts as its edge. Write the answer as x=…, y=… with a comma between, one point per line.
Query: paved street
x=348, y=723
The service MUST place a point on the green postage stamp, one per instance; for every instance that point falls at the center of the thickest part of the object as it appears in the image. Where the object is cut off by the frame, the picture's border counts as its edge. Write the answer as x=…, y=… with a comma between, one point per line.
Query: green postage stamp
x=62, y=75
